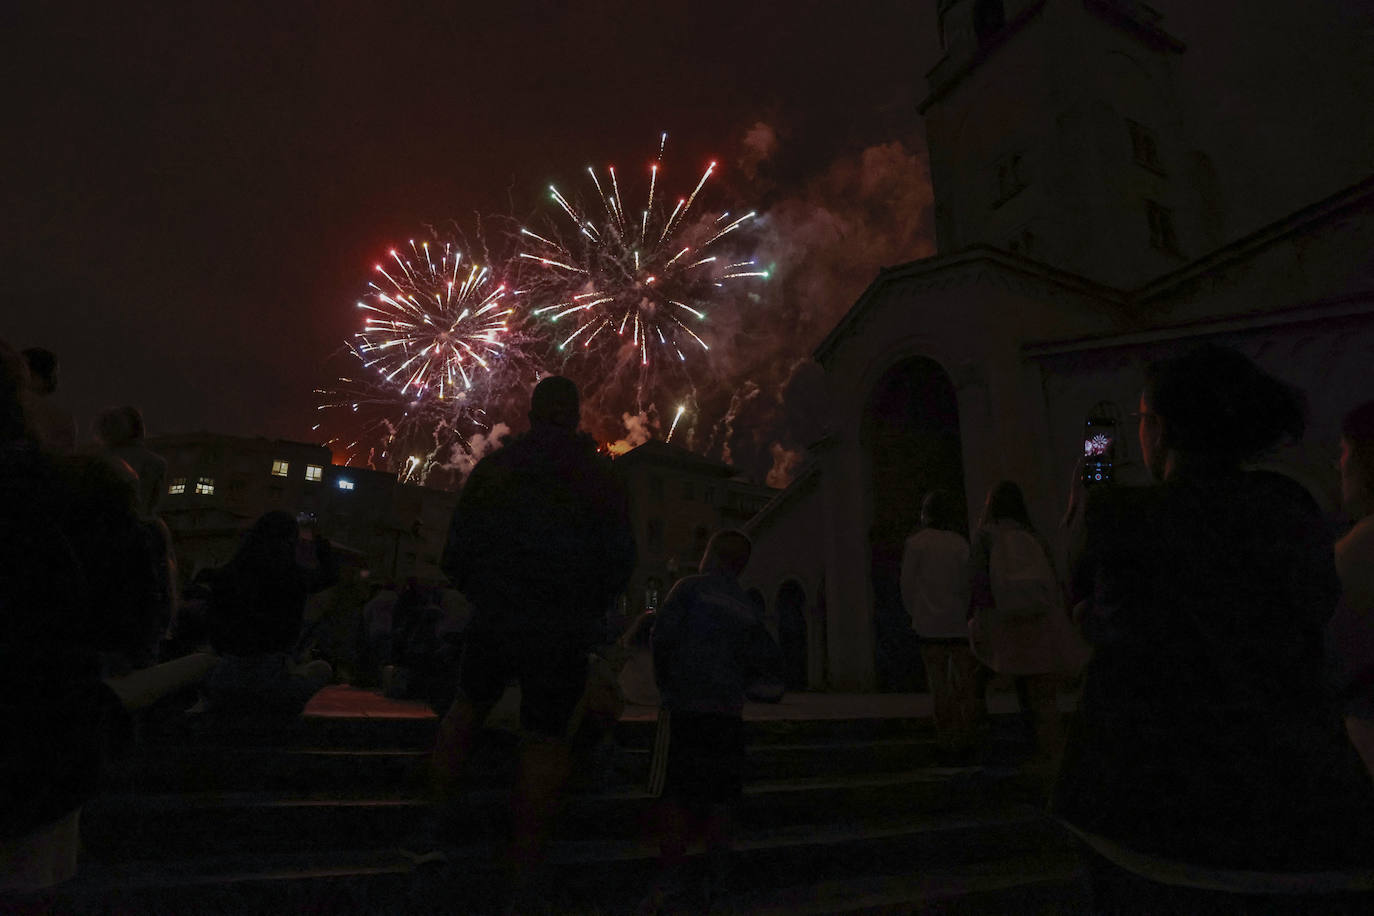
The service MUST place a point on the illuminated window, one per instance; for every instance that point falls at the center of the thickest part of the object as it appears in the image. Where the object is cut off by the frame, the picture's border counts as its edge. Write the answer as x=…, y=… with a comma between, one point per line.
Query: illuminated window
x=280, y=466
x=178, y=486
x=345, y=484
x=205, y=486
x=314, y=472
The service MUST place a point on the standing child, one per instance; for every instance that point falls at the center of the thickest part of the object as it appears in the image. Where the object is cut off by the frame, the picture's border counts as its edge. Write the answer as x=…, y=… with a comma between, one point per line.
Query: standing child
x=709, y=644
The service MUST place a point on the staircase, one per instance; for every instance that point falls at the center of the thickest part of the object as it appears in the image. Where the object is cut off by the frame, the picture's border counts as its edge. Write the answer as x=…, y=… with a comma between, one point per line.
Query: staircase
x=841, y=815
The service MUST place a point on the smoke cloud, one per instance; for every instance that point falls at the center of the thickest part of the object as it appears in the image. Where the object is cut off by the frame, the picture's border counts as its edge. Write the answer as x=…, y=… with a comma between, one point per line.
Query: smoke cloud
x=864, y=211
x=638, y=430
x=462, y=462
x=759, y=144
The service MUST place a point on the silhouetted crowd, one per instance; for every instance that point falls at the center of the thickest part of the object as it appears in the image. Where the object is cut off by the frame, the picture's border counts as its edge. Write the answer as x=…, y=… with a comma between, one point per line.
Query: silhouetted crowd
x=1220, y=759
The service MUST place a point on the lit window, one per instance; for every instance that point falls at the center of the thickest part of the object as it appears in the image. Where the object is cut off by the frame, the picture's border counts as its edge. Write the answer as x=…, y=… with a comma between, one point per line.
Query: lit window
x=314, y=472
x=345, y=484
x=280, y=466
x=178, y=486
x=205, y=486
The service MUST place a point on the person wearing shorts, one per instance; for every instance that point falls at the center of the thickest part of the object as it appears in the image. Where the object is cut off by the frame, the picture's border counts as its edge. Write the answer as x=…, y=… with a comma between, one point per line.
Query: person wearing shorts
x=706, y=642
x=540, y=545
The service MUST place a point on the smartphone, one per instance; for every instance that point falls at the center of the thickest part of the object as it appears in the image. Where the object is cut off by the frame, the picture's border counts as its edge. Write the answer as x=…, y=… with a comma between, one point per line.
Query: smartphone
x=1099, y=449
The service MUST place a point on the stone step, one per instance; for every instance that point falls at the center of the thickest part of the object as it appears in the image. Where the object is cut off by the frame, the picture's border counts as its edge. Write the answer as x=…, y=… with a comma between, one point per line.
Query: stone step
x=310, y=731
x=1011, y=861
x=203, y=768
x=417, y=733
x=142, y=825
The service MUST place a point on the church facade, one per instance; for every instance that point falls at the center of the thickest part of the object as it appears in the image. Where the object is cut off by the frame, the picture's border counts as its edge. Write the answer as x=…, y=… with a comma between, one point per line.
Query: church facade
x=1082, y=234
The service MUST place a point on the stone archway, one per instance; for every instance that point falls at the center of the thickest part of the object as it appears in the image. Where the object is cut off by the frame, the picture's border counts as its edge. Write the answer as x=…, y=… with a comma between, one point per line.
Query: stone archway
x=910, y=437
x=791, y=608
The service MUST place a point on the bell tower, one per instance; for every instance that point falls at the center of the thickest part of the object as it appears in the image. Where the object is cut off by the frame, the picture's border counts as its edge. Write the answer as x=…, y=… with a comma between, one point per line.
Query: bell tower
x=1055, y=132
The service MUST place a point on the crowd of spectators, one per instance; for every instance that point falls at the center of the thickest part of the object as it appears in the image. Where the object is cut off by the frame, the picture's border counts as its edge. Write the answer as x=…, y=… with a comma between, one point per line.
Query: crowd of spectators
x=1222, y=754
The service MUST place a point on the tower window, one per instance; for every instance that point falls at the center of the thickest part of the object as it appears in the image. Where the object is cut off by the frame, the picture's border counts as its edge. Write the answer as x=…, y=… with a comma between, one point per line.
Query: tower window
x=314, y=472
x=1011, y=178
x=989, y=17
x=205, y=486
x=345, y=484
x=1161, y=222
x=280, y=467
x=178, y=486
x=1143, y=146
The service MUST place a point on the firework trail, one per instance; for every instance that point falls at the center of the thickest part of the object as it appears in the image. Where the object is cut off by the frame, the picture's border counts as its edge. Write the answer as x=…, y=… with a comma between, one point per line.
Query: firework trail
x=374, y=424
x=639, y=284
x=680, y=410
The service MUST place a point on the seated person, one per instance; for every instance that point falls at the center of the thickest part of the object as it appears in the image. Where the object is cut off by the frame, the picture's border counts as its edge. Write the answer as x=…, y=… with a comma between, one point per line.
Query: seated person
x=256, y=610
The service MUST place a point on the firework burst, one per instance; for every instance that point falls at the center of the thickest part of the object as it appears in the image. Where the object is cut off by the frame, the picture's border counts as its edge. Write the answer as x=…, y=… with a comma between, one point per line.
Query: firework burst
x=441, y=341
x=640, y=283
x=436, y=323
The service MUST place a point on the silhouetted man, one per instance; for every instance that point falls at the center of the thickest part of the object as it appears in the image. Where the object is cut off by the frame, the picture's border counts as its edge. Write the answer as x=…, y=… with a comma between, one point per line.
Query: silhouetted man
x=540, y=544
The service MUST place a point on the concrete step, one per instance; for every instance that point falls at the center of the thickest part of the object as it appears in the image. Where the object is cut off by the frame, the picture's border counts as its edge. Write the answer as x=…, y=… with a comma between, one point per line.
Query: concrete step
x=206, y=768
x=414, y=732
x=998, y=862
x=138, y=825
x=198, y=767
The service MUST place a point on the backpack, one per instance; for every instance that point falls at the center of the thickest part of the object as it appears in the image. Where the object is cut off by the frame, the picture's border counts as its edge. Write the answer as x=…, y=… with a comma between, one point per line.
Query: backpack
x=1027, y=631
x=1022, y=581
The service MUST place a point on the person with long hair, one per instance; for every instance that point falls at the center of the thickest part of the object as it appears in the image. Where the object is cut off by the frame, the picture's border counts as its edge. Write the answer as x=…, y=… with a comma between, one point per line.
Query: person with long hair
x=1207, y=770
x=257, y=605
x=1014, y=587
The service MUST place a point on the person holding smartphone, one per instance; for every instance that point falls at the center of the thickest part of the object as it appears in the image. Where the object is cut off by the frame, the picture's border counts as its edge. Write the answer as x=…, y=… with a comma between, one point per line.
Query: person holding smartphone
x=1207, y=770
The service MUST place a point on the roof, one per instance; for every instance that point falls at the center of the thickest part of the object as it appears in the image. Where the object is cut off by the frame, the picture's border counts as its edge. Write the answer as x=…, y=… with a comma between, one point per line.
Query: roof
x=203, y=436
x=1174, y=283
x=954, y=263
x=667, y=454
x=803, y=483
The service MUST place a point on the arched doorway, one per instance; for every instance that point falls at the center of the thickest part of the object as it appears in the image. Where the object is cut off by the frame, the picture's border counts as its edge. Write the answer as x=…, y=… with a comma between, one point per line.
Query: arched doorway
x=791, y=605
x=911, y=438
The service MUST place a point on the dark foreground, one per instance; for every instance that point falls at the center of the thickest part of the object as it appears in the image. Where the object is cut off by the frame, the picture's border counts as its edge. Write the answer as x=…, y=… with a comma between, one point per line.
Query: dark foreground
x=845, y=812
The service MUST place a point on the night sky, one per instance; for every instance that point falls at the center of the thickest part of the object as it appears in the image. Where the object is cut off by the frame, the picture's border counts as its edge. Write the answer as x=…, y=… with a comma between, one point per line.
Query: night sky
x=197, y=191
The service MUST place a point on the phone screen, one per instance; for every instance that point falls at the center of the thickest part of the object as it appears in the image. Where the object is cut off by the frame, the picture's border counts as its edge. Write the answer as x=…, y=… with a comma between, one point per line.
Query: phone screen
x=1099, y=448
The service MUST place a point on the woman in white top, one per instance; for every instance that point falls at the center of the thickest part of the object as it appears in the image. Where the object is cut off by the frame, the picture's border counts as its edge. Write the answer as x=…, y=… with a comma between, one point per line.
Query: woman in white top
x=935, y=593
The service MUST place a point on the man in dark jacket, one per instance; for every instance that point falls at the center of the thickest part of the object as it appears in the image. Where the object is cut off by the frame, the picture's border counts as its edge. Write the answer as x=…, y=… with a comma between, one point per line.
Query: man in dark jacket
x=541, y=545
